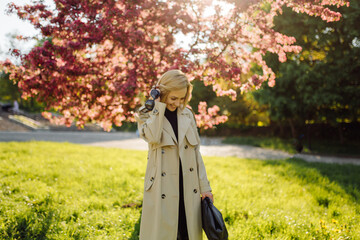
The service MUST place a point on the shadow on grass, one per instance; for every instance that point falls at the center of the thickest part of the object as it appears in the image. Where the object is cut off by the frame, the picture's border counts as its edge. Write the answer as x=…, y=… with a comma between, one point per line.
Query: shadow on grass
x=344, y=175
x=136, y=232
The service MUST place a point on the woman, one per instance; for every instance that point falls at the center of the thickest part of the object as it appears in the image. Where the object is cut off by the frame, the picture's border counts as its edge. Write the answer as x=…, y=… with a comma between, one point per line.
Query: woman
x=175, y=174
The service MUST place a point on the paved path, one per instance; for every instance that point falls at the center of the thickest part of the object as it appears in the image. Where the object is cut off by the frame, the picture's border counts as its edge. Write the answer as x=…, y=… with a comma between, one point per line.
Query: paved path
x=209, y=146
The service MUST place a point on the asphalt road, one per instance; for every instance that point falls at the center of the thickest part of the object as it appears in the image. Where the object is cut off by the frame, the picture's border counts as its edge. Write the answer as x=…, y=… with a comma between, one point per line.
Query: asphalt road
x=129, y=140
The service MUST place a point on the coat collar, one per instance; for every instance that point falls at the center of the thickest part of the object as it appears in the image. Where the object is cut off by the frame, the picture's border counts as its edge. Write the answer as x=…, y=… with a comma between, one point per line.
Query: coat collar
x=183, y=124
x=168, y=128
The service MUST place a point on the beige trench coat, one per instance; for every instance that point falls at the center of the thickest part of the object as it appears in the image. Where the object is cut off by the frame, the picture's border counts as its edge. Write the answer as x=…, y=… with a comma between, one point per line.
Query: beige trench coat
x=159, y=220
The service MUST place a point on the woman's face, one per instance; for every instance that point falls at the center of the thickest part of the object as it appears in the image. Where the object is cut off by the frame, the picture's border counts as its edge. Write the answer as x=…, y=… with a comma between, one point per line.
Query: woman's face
x=175, y=99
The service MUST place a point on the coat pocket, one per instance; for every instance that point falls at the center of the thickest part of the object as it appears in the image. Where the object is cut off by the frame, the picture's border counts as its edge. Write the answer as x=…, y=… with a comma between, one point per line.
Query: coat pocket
x=191, y=138
x=150, y=178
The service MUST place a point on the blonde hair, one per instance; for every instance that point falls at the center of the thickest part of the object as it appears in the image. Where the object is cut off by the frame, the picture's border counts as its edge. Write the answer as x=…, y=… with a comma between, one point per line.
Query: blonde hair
x=174, y=80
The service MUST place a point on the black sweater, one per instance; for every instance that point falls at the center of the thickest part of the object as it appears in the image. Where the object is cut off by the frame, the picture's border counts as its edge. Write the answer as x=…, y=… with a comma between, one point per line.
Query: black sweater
x=172, y=117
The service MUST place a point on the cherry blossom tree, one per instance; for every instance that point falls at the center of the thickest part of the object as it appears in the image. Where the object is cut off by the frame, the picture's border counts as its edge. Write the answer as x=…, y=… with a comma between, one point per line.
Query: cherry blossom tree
x=209, y=117
x=100, y=58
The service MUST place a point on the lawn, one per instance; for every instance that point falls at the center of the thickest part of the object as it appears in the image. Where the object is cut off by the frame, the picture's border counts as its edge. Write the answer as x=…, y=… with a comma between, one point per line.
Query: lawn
x=69, y=191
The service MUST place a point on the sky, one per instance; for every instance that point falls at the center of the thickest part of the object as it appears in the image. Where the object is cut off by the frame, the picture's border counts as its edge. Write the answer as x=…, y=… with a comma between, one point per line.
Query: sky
x=11, y=24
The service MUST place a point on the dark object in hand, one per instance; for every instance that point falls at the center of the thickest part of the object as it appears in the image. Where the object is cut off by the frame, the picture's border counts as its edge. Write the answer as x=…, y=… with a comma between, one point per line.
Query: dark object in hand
x=212, y=221
x=149, y=104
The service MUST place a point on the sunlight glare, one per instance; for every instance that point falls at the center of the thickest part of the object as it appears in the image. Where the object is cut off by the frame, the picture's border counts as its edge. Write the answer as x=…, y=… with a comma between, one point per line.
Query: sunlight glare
x=225, y=8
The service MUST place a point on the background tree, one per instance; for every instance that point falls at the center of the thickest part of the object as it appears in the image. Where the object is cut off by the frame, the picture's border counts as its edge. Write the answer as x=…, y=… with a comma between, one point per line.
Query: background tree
x=102, y=57
x=8, y=90
x=321, y=84
x=244, y=111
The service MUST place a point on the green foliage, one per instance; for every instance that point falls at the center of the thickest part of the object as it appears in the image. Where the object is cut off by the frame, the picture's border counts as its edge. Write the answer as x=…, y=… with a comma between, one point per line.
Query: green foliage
x=68, y=191
x=8, y=89
x=31, y=105
x=10, y=92
x=244, y=111
x=126, y=127
x=201, y=93
x=320, y=85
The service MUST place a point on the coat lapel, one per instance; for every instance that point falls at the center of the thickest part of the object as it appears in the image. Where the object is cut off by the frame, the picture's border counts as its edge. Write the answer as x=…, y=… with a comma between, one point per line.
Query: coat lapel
x=168, y=128
x=183, y=125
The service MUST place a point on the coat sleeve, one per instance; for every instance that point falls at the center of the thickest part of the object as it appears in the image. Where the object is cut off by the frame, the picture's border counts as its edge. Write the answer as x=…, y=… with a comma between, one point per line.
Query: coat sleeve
x=203, y=180
x=150, y=124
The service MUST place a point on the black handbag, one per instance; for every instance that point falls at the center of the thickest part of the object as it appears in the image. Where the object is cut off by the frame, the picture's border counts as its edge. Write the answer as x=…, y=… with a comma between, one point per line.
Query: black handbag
x=212, y=221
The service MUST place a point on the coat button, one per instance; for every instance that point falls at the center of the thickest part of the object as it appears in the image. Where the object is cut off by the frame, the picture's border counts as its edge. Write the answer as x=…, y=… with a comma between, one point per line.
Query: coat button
x=162, y=151
x=163, y=174
x=152, y=179
x=186, y=146
x=191, y=169
x=195, y=191
x=163, y=196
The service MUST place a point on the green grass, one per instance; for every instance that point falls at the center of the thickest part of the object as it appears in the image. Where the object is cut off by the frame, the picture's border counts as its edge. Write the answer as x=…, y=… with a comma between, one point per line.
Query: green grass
x=68, y=191
x=326, y=147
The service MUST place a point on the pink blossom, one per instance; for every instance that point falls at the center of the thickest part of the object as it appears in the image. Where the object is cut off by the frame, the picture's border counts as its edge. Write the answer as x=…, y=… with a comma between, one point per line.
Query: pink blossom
x=208, y=118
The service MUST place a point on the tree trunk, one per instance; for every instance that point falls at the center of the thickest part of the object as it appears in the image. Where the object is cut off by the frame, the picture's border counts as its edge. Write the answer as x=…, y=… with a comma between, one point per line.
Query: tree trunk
x=341, y=135
x=308, y=135
x=293, y=131
x=281, y=128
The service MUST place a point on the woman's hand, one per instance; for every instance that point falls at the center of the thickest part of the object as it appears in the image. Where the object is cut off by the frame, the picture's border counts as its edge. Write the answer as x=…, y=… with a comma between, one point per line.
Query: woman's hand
x=207, y=194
